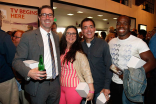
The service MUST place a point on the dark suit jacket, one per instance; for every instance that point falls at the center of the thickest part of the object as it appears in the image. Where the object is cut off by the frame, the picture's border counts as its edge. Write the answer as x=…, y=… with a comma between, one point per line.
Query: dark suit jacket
x=7, y=53
x=29, y=48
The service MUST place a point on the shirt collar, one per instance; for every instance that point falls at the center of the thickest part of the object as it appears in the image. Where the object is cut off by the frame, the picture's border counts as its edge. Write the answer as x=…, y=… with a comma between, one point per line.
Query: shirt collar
x=92, y=42
x=44, y=32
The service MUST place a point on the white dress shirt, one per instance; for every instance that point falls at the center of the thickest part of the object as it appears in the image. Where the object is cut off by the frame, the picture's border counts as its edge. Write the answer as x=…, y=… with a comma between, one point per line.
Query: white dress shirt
x=47, y=54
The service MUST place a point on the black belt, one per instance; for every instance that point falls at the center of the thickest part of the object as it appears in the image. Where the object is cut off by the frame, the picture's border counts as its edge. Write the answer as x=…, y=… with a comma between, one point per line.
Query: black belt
x=51, y=80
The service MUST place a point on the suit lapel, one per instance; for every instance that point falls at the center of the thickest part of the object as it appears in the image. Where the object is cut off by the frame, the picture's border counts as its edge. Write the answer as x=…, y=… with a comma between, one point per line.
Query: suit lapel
x=40, y=41
x=55, y=39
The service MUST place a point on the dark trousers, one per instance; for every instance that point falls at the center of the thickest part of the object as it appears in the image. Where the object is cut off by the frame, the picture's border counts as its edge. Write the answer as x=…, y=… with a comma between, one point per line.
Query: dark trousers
x=48, y=92
x=116, y=93
x=150, y=93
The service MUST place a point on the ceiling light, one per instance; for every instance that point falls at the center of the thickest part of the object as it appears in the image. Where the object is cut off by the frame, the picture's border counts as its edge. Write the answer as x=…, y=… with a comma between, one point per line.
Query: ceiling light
x=105, y=19
x=100, y=15
x=54, y=7
x=70, y=14
x=114, y=18
x=89, y=17
x=79, y=12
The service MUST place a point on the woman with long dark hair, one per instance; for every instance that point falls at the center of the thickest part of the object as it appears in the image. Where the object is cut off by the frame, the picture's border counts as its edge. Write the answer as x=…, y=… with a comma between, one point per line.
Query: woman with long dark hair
x=74, y=67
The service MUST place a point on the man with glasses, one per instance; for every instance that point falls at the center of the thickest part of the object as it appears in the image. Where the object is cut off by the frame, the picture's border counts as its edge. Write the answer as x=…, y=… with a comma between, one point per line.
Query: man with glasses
x=8, y=87
x=17, y=37
x=54, y=29
x=42, y=86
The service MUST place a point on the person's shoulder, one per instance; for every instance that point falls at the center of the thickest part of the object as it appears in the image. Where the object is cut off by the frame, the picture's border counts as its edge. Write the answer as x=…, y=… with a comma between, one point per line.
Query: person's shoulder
x=112, y=41
x=54, y=34
x=101, y=41
x=83, y=43
x=31, y=33
x=153, y=37
x=101, y=44
x=138, y=40
x=152, y=42
x=1, y=30
x=134, y=37
x=3, y=35
x=80, y=54
x=139, y=44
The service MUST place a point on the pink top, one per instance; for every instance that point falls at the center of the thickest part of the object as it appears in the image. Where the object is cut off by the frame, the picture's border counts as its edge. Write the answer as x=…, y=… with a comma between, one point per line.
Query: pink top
x=68, y=73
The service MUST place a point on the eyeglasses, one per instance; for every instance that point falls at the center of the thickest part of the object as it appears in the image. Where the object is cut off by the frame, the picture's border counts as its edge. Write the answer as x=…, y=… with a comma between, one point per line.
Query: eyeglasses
x=69, y=34
x=44, y=15
x=16, y=37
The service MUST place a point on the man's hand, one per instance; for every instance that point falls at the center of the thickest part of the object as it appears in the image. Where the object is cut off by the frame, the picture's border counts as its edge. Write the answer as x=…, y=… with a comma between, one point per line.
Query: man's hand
x=36, y=74
x=106, y=93
x=121, y=76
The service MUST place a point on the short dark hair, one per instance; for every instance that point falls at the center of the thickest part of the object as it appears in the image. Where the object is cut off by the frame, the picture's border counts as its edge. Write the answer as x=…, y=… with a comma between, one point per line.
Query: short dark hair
x=133, y=33
x=45, y=6
x=126, y=17
x=143, y=32
x=54, y=23
x=14, y=33
x=103, y=34
x=87, y=19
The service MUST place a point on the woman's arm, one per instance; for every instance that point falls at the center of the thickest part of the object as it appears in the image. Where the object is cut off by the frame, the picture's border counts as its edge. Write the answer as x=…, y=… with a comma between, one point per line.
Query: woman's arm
x=91, y=92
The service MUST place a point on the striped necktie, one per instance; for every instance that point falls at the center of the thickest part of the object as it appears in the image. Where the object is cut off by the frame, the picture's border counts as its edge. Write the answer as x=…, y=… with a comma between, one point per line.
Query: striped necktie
x=52, y=57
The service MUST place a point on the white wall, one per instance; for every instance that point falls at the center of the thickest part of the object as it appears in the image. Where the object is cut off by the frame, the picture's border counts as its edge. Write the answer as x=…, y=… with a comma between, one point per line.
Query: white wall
x=64, y=21
x=71, y=20
x=142, y=17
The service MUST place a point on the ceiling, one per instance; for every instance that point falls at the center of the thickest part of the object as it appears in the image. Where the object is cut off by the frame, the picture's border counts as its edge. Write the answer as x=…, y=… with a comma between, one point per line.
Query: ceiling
x=64, y=9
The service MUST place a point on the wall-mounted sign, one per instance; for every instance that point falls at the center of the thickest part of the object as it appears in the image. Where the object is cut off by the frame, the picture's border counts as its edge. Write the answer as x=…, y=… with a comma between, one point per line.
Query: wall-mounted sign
x=18, y=17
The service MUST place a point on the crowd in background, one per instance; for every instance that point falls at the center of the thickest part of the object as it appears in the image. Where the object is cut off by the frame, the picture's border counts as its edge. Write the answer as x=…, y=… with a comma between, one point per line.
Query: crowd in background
x=111, y=33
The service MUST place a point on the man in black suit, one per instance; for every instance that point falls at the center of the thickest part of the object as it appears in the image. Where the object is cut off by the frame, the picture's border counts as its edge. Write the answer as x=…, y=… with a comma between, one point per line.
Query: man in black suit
x=41, y=41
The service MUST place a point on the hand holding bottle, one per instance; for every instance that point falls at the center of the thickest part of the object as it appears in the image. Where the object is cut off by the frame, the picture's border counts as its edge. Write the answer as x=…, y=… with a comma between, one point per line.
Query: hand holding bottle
x=36, y=74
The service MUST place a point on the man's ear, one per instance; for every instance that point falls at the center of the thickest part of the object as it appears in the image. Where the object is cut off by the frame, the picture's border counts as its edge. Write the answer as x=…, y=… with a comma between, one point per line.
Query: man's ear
x=94, y=28
x=81, y=31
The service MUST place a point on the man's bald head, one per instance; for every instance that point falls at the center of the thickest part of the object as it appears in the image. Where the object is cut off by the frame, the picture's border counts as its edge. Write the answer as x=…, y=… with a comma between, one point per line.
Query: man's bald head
x=126, y=18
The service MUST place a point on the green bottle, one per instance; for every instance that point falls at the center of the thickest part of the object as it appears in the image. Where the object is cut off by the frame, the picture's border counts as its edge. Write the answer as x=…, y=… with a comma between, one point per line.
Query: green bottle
x=41, y=64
